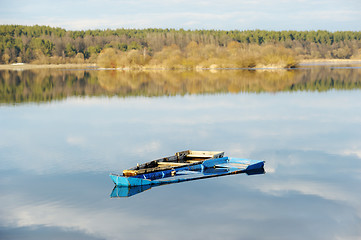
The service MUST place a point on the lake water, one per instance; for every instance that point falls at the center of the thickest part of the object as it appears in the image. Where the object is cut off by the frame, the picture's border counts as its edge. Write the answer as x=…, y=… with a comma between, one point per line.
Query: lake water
x=62, y=132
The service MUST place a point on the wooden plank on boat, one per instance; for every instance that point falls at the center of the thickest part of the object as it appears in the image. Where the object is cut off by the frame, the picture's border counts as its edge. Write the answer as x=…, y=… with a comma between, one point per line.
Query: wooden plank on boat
x=205, y=152
x=129, y=173
x=173, y=163
x=199, y=155
x=195, y=160
x=180, y=159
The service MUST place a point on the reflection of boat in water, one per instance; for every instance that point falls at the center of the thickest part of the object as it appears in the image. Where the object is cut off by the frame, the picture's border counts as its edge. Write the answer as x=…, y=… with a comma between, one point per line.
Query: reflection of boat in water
x=183, y=166
x=125, y=191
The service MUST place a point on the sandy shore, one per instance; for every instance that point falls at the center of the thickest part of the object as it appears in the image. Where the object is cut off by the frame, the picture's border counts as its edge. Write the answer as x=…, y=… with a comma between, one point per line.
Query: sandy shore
x=330, y=61
x=26, y=66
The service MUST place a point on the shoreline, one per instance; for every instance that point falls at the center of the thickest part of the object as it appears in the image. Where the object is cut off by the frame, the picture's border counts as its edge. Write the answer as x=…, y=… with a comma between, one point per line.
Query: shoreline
x=329, y=61
x=29, y=66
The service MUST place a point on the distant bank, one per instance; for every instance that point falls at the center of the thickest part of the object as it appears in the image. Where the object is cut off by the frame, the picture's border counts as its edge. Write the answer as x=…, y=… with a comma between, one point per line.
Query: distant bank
x=154, y=48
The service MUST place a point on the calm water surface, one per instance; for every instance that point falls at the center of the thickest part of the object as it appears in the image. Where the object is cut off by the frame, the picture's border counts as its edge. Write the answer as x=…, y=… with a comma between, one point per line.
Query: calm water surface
x=62, y=132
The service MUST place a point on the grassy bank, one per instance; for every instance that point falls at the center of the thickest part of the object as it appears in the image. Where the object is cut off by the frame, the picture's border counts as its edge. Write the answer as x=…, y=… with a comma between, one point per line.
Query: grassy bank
x=199, y=56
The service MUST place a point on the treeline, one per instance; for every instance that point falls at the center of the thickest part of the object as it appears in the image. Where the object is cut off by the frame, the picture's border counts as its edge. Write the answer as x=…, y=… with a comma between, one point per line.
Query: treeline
x=48, y=85
x=44, y=44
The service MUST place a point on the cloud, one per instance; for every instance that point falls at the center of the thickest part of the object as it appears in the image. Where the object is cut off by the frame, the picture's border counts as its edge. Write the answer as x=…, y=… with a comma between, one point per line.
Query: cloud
x=259, y=200
x=53, y=214
x=355, y=152
x=146, y=148
x=129, y=127
x=227, y=14
x=306, y=187
x=77, y=141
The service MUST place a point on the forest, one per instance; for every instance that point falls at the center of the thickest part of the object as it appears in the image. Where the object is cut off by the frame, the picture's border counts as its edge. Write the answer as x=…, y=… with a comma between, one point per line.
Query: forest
x=173, y=48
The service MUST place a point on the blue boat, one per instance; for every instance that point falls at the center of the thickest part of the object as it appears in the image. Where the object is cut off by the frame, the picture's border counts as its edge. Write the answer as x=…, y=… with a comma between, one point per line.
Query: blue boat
x=253, y=169
x=184, y=166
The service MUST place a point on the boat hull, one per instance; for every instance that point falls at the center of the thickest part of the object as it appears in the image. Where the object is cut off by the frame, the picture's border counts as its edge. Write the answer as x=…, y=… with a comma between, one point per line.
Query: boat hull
x=128, y=191
x=224, y=166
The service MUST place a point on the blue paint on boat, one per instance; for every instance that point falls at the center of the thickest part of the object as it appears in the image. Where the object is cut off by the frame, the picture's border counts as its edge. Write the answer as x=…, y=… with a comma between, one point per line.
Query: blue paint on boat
x=129, y=181
x=211, y=162
x=255, y=165
x=208, y=168
x=181, y=176
x=155, y=175
x=167, y=173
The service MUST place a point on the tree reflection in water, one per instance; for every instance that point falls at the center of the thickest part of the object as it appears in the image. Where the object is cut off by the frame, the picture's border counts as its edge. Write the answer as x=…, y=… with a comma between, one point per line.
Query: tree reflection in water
x=49, y=84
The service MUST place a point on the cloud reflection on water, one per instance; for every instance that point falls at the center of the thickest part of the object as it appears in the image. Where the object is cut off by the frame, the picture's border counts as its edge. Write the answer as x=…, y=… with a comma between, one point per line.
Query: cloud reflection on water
x=55, y=159
x=187, y=122
x=294, y=199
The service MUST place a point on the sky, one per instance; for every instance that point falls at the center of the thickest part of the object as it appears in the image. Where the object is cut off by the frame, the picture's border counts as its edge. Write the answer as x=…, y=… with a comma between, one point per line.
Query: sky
x=331, y=15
